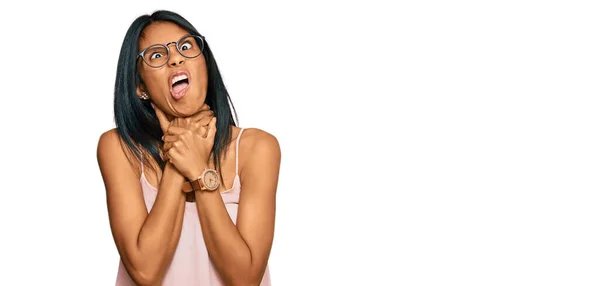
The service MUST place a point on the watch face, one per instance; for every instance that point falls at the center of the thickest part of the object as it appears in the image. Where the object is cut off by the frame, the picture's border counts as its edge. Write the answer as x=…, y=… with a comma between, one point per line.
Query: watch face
x=211, y=180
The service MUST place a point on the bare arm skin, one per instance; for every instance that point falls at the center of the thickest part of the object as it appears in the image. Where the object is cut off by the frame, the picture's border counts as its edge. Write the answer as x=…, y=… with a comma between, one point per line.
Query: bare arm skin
x=146, y=241
x=240, y=253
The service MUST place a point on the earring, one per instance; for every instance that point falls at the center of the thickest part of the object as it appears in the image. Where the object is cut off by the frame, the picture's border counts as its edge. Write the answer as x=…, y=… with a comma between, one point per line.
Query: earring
x=144, y=96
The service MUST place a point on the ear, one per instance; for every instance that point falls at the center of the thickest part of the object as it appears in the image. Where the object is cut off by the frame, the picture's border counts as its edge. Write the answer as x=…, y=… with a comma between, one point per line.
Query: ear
x=140, y=87
x=140, y=90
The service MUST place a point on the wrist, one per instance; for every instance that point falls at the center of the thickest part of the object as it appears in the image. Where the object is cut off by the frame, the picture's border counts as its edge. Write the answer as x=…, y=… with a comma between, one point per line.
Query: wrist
x=170, y=168
x=172, y=176
x=196, y=173
x=207, y=180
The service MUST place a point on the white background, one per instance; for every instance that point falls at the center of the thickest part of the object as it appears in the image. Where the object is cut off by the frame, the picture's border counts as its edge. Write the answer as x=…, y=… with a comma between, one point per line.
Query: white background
x=423, y=142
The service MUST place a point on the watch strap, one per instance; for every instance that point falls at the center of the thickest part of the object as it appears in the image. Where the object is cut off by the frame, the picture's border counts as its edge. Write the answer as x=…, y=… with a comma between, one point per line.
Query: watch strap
x=198, y=184
x=195, y=185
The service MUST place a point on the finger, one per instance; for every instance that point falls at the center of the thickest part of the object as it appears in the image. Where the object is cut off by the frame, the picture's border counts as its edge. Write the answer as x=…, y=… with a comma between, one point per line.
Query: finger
x=201, y=115
x=176, y=130
x=205, y=120
x=203, y=131
x=162, y=119
x=170, y=138
x=212, y=128
x=167, y=147
x=173, y=154
x=165, y=156
x=178, y=121
x=170, y=146
x=202, y=122
x=170, y=154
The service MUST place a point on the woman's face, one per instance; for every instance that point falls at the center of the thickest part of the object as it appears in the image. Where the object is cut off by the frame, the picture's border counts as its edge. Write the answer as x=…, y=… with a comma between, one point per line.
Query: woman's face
x=167, y=85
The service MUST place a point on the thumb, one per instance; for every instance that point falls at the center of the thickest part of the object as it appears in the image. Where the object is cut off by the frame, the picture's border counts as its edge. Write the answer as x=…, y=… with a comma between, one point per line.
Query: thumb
x=162, y=119
x=212, y=128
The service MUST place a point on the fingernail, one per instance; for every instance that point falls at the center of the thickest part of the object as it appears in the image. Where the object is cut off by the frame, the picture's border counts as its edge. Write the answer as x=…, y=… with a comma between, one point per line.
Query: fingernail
x=152, y=104
x=162, y=138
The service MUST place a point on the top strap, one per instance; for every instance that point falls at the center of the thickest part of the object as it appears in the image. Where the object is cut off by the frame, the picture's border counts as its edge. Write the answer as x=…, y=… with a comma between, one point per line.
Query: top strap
x=237, y=145
x=141, y=159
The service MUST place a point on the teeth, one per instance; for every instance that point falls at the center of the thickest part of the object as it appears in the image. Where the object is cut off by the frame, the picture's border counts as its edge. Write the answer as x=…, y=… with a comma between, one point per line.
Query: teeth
x=178, y=78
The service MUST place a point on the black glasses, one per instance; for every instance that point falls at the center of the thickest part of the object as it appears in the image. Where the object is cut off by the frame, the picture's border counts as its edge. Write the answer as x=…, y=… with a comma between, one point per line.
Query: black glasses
x=157, y=55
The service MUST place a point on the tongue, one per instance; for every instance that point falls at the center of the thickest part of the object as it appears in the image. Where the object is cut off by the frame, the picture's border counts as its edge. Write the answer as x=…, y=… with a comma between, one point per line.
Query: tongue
x=179, y=87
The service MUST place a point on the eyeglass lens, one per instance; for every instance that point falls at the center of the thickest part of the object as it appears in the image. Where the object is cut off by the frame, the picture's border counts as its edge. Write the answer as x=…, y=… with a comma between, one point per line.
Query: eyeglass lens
x=189, y=47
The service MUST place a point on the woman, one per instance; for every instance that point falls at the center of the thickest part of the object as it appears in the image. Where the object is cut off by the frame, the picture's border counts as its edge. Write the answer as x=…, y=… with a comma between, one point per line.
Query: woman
x=175, y=165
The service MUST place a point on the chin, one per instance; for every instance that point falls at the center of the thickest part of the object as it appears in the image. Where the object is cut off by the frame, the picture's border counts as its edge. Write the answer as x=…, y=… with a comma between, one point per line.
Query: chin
x=184, y=110
x=187, y=108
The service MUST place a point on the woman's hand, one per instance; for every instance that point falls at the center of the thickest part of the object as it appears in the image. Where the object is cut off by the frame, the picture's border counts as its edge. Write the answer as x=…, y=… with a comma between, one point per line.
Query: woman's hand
x=188, y=142
x=194, y=123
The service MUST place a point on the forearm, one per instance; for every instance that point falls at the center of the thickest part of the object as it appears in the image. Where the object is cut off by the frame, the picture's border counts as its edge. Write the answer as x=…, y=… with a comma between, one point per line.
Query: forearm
x=160, y=232
x=226, y=247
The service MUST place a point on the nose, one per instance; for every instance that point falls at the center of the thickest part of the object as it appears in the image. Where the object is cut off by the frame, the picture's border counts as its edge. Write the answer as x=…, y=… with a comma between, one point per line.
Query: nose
x=175, y=58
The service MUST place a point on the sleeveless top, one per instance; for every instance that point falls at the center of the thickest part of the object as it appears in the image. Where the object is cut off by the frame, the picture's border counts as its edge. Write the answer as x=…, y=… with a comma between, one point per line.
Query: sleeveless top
x=191, y=264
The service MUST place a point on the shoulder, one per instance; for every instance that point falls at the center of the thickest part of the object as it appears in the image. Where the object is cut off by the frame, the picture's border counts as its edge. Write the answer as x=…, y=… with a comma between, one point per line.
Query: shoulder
x=255, y=140
x=109, y=142
x=259, y=151
x=111, y=147
x=112, y=153
x=260, y=161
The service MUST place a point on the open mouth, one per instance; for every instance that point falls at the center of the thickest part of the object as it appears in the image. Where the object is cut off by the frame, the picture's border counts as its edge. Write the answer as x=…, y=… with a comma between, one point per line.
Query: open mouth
x=179, y=85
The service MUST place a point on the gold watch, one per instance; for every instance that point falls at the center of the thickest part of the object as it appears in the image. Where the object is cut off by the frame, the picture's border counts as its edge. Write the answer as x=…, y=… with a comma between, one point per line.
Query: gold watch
x=208, y=181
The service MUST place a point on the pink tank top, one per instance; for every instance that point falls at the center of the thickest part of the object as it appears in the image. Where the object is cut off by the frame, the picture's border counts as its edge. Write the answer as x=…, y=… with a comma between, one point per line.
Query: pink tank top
x=191, y=264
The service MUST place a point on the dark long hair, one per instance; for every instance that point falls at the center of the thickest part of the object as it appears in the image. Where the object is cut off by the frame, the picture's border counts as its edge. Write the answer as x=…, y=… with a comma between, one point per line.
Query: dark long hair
x=135, y=119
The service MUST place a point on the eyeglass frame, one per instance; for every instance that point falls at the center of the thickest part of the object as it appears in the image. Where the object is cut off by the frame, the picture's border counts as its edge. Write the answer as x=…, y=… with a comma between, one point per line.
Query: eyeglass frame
x=141, y=54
